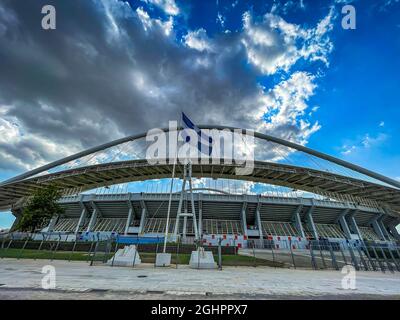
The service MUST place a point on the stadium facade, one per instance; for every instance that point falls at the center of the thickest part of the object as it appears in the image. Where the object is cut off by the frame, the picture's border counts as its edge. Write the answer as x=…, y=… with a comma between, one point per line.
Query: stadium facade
x=351, y=203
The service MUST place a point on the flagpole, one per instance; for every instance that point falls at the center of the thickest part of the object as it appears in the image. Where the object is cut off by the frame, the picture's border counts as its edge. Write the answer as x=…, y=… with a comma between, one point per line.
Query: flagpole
x=171, y=189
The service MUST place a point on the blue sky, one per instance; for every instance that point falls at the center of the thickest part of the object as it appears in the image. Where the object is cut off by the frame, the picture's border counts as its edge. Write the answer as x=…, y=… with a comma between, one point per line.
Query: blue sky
x=345, y=102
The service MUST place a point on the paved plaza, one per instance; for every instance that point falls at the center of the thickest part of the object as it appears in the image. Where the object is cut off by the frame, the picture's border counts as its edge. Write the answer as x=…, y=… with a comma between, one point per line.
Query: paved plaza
x=22, y=279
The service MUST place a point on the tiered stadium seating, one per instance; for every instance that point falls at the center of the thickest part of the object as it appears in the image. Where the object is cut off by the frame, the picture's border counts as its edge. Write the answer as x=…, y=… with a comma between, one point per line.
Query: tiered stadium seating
x=66, y=225
x=157, y=225
x=307, y=231
x=110, y=224
x=214, y=226
x=329, y=231
x=368, y=234
x=324, y=231
x=279, y=229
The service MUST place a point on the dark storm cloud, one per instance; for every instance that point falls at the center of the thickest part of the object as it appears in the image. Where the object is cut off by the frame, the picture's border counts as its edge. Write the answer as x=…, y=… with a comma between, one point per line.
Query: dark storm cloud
x=104, y=73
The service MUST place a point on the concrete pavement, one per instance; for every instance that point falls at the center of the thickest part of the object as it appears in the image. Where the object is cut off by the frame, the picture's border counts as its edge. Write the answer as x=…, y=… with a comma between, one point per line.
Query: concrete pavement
x=23, y=278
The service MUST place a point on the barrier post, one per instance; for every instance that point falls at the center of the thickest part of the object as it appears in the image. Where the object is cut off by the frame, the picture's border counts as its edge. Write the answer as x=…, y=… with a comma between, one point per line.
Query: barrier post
x=322, y=256
x=362, y=259
x=381, y=266
x=134, y=257
x=2, y=246
x=273, y=253
x=291, y=252
x=73, y=248
x=11, y=241
x=219, y=254
x=156, y=253
x=393, y=259
x=56, y=247
x=353, y=257
x=177, y=252
x=372, y=263
x=91, y=247
x=390, y=267
x=41, y=243
x=107, y=249
x=23, y=247
x=115, y=251
x=343, y=255
x=313, y=261
x=254, y=254
x=333, y=257
x=94, y=253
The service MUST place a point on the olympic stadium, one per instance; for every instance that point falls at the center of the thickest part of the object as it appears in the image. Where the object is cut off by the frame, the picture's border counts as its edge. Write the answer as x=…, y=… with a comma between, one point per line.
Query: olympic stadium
x=312, y=196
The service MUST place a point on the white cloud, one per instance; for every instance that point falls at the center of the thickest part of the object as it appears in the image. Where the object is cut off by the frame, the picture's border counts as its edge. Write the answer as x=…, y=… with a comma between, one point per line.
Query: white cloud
x=286, y=105
x=101, y=89
x=221, y=20
x=24, y=151
x=363, y=143
x=382, y=123
x=387, y=4
x=226, y=185
x=274, y=44
x=169, y=6
x=7, y=20
x=346, y=149
x=369, y=141
x=149, y=23
x=198, y=40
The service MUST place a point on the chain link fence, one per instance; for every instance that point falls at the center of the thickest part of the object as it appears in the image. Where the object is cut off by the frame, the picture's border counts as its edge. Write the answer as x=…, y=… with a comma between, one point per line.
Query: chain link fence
x=328, y=254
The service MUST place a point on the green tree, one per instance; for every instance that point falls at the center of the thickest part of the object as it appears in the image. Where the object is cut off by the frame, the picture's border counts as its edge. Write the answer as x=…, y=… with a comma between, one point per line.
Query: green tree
x=41, y=207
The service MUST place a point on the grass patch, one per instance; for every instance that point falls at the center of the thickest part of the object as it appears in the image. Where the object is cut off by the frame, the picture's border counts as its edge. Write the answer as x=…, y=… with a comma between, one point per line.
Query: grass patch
x=42, y=254
x=146, y=257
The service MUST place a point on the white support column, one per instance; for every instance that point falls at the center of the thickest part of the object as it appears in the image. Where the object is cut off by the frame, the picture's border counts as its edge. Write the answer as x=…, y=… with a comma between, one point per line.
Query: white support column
x=343, y=223
x=297, y=221
x=196, y=232
x=200, y=229
x=258, y=218
x=244, y=220
x=383, y=227
x=92, y=221
x=310, y=222
x=18, y=217
x=185, y=221
x=81, y=218
x=375, y=225
x=52, y=224
x=176, y=228
x=129, y=218
x=95, y=215
x=142, y=217
x=354, y=226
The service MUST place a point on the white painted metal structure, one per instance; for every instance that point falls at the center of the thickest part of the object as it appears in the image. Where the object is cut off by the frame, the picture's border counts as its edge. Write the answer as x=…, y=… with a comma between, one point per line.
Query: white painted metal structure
x=218, y=214
x=366, y=204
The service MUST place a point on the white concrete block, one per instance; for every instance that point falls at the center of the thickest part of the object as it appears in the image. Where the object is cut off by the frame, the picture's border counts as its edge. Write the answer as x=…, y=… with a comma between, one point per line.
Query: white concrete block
x=163, y=260
x=201, y=259
x=125, y=257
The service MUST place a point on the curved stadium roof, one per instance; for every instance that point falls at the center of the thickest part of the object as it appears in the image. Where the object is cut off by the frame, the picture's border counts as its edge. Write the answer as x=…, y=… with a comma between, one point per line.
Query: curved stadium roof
x=278, y=162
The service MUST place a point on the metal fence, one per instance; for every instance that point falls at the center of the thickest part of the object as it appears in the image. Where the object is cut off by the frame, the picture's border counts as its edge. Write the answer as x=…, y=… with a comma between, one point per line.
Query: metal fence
x=328, y=254
x=96, y=249
x=49, y=246
x=317, y=254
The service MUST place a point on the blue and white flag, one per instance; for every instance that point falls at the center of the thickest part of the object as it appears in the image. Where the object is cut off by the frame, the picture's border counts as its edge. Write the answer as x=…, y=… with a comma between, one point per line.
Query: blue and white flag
x=204, y=141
